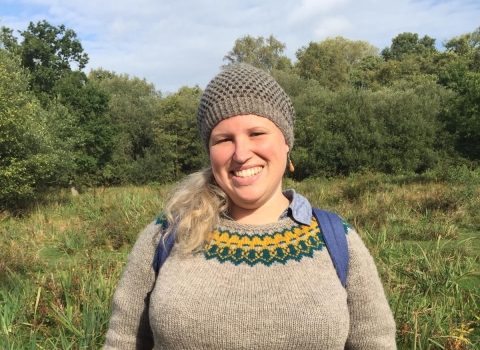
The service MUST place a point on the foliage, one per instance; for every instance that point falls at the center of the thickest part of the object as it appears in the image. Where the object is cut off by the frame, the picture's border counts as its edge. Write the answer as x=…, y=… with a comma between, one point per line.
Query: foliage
x=27, y=154
x=54, y=57
x=410, y=109
x=364, y=74
x=48, y=52
x=262, y=53
x=391, y=131
x=133, y=106
x=8, y=41
x=464, y=44
x=95, y=131
x=406, y=44
x=177, y=139
x=294, y=85
x=326, y=66
x=331, y=61
x=461, y=118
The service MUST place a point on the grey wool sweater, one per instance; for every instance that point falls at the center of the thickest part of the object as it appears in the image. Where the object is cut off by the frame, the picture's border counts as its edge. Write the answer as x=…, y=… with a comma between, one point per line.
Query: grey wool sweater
x=251, y=287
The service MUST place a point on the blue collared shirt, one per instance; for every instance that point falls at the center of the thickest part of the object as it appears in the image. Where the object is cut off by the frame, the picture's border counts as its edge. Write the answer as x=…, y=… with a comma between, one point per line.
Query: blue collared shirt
x=299, y=209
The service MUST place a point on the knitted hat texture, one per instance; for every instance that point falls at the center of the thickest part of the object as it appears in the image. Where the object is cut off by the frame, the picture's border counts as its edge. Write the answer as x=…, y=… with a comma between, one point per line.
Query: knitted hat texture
x=242, y=89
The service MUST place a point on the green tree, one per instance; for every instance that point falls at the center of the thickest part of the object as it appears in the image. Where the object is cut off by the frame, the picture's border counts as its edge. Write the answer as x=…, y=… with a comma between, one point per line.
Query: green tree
x=466, y=47
x=28, y=158
x=264, y=53
x=133, y=106
x=48, y=52
x=8, y=41
x=54, y=58
x=95, y=132
x=331, y=61
x=391, y=130
x=293, y=84
x=464, y=44
x=461, y=117
x=408, y=44
x=177, y=137
x=364, y=75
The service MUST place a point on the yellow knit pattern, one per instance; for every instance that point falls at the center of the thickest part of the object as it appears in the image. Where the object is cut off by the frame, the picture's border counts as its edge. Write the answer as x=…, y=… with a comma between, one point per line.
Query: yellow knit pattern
x=292, y=243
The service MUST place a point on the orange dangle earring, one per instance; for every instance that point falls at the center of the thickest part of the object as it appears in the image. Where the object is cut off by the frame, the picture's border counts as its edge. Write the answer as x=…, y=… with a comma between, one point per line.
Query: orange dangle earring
x=290, y=164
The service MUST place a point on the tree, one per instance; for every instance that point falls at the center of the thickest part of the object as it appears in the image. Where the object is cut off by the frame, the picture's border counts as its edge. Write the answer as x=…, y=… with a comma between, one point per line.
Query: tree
x=408, y=44
x=392, y=130
x=466, y=47
x=363, y=75
x=28, y=158
x=331, y=61
x=461, y=118
x=48, y=52
x=262, y=53
x=95, y=132
x=54, y=58
x=133, y=106
x=177, y=137
x=464, y=44
x=8, y=42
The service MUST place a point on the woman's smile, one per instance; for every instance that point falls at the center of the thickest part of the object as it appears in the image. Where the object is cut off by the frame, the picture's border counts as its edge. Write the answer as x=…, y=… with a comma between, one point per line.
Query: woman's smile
x=247, y=172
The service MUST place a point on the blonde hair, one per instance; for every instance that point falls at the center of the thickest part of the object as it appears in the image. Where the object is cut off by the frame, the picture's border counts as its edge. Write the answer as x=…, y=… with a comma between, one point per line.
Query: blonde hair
x=193, y=208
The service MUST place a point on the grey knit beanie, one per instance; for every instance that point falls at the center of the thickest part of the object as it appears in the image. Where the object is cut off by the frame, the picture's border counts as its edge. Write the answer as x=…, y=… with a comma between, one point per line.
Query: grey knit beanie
x=243, y=89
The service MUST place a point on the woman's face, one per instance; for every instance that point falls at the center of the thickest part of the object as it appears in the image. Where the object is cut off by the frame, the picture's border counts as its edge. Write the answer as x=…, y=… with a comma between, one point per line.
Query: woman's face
x=248, y=154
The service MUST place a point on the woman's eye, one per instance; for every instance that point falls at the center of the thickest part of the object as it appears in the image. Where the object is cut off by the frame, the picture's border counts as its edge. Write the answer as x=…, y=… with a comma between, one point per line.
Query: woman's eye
x=223, y=140
x=253, y=134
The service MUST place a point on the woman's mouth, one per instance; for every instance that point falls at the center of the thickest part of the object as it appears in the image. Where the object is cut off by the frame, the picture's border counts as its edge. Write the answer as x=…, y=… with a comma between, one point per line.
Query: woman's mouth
x=248, y=172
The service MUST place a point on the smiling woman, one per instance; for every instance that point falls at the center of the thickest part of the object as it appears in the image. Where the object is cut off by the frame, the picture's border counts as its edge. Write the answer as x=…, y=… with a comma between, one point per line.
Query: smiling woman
x=249, y=267
x=248, y=155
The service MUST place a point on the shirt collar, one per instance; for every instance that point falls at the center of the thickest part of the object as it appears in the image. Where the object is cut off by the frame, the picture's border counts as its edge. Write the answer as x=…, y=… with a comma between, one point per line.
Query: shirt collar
x=299, y=209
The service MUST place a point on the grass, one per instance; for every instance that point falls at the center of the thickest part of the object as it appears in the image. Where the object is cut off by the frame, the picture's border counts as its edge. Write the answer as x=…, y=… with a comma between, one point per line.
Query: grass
x=61, y=262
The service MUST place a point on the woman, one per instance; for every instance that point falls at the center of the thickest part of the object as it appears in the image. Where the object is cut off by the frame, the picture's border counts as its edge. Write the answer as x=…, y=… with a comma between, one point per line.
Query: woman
x=231, y=280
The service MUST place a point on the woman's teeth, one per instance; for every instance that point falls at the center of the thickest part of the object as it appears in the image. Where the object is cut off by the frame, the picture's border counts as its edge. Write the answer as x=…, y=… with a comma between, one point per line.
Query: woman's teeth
x=247, y=172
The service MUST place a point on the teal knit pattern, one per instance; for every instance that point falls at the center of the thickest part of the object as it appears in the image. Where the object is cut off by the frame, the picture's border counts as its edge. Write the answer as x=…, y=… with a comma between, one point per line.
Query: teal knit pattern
x=293, y=243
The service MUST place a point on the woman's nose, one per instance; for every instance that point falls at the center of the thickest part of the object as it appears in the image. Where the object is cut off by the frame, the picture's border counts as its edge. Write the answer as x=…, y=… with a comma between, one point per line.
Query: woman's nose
x=242, y=151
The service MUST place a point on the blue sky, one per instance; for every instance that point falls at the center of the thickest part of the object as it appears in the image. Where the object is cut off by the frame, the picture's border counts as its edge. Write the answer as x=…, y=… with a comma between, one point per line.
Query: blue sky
x=182, y=42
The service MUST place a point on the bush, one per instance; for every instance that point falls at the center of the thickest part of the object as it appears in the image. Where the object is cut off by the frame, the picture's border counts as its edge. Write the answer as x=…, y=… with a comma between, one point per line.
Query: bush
x=27, y=153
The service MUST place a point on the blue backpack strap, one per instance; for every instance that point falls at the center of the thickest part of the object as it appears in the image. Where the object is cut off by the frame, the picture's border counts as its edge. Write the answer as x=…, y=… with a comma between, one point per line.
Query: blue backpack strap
x=164, y=247
x=336, y=241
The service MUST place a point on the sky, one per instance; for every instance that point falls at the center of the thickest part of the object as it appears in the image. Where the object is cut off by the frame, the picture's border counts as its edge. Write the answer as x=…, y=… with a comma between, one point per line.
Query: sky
x=182, y=42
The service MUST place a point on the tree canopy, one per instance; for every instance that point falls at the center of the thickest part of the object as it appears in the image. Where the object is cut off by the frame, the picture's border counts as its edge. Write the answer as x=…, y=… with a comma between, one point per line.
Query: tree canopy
x=408, y=44
x=332, y=61
x=407, y=109
x=262, y=53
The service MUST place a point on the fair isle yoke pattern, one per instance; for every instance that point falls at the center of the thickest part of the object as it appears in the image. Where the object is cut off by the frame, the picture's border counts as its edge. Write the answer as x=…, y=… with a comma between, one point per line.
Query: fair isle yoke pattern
x=291, y=243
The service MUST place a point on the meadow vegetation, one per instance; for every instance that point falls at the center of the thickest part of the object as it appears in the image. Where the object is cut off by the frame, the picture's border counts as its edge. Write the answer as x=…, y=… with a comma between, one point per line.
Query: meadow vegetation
x=61, y=260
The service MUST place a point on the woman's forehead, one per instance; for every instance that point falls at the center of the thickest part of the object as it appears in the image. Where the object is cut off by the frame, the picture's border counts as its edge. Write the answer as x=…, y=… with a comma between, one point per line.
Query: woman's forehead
x=246, y=121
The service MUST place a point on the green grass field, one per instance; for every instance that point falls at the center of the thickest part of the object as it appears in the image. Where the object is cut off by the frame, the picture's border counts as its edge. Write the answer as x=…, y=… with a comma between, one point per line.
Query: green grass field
x=61, y=261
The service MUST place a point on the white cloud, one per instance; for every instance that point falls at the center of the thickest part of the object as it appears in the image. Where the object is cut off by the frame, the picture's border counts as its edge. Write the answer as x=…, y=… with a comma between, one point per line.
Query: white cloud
x=331, y=27
x=312, y=8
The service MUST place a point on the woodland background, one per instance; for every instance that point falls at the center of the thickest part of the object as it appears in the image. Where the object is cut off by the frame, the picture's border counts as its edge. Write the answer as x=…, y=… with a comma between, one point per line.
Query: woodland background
x=407, y=108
